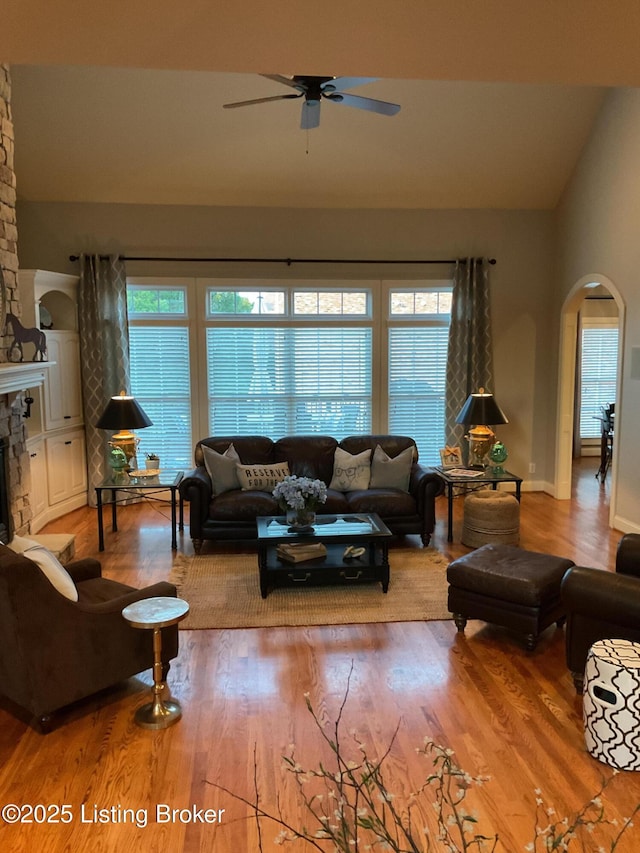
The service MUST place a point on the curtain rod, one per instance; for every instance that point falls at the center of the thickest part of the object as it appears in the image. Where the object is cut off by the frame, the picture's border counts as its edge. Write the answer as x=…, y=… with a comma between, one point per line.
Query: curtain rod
x=287, y=261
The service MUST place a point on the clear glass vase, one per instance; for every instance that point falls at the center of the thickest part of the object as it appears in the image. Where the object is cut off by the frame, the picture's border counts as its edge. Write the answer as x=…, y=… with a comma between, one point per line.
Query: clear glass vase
x=301, y=519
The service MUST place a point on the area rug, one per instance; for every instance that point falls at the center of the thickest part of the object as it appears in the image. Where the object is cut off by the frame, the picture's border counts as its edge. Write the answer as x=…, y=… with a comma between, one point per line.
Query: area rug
x=223, y=592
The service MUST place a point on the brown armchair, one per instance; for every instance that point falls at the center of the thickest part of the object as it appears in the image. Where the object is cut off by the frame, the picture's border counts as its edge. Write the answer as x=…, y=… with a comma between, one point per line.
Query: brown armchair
x=55, y=651
x=602, y=605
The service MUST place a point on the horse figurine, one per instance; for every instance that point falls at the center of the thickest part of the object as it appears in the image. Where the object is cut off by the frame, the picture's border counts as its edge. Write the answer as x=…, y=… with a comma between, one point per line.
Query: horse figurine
x=27, y=336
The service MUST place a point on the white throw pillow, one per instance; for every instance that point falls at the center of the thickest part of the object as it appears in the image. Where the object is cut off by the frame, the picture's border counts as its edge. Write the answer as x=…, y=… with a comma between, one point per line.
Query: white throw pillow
x=391, y=472
x=48, y=564
x=221, y=468
x=262, y=478
x=351, y=471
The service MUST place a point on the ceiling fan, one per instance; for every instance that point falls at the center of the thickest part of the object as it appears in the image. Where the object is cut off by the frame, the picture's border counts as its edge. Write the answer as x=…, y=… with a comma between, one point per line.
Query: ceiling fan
x=314, y=89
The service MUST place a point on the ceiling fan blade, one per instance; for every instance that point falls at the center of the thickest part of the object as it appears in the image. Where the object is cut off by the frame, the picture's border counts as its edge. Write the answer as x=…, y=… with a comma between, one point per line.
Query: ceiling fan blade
x=341, y=83
x=382, y=107
x=310, y=115
x=260, y=101
x=280, y=78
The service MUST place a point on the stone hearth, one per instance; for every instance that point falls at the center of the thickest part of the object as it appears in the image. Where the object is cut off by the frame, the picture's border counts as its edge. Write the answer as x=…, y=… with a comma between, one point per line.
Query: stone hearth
x=12, y=428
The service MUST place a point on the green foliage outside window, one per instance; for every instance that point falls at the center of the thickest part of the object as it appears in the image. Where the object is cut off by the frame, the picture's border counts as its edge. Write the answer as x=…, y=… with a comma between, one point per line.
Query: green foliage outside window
x=229, y=302
x=155, y=301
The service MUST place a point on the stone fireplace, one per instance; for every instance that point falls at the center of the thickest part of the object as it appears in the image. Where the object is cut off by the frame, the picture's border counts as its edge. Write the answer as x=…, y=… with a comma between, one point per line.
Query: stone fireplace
x=12, y=376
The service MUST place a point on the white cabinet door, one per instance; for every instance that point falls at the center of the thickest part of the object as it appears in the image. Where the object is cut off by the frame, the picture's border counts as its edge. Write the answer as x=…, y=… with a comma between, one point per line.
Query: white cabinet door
x=38, y=496
x=63, y=394
x=66, y=466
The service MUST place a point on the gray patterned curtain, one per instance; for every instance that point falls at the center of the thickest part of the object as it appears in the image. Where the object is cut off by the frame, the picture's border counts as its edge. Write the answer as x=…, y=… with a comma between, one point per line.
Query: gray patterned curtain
x=470, y=353
x=104, y=350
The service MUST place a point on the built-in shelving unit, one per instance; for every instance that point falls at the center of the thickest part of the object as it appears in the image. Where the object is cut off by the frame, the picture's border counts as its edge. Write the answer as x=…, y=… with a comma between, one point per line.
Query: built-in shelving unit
x=56, y=437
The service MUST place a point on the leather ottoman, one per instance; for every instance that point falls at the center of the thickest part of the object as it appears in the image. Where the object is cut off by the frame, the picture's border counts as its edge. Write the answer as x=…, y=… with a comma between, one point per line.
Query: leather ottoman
x=508, y=586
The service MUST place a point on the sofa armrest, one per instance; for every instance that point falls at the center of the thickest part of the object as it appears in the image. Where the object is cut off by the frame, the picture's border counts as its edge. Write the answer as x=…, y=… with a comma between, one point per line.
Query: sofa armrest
x=162, y=589
x=424, y=481
x=602, y=595
x=628, y=555
x=84, y=570
x=195, y=487
x=425, y=484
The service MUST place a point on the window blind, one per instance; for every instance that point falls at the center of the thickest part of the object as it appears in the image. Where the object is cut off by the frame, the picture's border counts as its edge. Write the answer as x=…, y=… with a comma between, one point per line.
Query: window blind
x=417, y=374
x=598, y=374
x=288, y=381
x=160, y=381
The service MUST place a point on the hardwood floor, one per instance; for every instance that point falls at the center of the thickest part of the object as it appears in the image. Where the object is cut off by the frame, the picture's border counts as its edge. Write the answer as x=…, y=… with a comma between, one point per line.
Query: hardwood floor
x=506, y=713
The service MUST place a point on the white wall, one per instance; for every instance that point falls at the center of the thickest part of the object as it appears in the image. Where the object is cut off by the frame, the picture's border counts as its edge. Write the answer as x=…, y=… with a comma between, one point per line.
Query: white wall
x=522, y=280
x=599, y=234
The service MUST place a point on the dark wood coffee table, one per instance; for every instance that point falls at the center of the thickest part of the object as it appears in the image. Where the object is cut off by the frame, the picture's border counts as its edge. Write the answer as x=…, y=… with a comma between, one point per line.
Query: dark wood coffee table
x=336, y=532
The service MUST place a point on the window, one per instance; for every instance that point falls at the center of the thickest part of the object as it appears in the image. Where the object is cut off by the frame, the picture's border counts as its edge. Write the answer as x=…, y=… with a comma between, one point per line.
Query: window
x=418, y=366
x=232, y=302
x=288, y=379
x=316, y=303
x=160, y=371
x=598, y=372
x=156, y=301
x=305, y=357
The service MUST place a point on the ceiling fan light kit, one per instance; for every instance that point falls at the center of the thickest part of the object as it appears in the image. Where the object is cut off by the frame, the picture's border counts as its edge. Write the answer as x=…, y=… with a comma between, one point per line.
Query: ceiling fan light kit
x=314, y=89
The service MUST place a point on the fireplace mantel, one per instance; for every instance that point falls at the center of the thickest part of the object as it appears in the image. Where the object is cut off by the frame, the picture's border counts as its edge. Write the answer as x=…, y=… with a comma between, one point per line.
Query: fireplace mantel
x=18, y=376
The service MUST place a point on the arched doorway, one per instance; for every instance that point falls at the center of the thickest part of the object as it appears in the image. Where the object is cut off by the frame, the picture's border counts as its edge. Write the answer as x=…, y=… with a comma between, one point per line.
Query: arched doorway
x=567, y=382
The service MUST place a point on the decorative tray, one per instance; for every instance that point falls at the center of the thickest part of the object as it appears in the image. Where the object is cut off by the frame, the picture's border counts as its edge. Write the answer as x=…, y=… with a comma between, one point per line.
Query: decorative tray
x=144, y=472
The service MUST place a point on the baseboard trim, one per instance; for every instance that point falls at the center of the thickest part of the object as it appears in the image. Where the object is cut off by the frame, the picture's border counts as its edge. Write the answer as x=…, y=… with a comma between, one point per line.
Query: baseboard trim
x=55, y=511
x=624, y=525
x=527, y=486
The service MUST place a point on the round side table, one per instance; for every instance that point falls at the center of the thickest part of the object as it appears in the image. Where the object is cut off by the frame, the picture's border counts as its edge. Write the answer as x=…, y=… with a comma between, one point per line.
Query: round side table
x=155, y=614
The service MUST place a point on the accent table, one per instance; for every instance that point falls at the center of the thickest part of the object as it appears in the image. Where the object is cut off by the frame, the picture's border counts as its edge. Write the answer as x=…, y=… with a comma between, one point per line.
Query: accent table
x=476, y=478
x=144, y=487
x=154, y=614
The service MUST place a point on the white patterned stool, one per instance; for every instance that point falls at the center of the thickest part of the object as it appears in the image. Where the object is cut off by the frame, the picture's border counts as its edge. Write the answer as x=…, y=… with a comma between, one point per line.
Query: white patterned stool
x=611, y=703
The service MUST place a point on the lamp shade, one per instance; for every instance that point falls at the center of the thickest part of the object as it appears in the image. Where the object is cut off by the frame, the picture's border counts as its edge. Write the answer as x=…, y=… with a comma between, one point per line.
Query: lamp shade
x=481, y=408
x=123, y=412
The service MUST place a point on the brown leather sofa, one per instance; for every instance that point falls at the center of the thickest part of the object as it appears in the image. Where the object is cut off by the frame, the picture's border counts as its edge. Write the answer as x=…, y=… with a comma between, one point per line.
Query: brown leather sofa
x=55, y=651
x=232, y=514
x=602, y=605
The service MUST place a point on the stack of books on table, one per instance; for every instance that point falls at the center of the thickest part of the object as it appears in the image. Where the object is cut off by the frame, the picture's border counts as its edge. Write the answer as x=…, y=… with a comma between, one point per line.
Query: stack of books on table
x=298, y=552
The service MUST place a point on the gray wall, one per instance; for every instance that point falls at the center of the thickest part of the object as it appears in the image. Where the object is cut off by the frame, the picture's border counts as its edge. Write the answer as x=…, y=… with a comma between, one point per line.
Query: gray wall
x=599, y=228
x=522, y=280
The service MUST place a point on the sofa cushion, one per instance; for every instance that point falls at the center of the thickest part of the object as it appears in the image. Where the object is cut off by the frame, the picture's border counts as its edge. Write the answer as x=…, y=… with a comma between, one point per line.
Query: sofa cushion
x=308, y=455
x=99, y=590
x=391, y=444
x=391, y=472
x=263, y=478
x=48, y=564
x=335, y=504
x=250, y=448
x=243, y=506
x=351, y=472
x=221, y=468
x=387, y=503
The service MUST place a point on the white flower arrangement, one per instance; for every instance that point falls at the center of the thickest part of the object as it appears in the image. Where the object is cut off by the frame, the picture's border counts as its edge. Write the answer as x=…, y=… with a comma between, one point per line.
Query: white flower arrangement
x=349, y=808
x=300, y=493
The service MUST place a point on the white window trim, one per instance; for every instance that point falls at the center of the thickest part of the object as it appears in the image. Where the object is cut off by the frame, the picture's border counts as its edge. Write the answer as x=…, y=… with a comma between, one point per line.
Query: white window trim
x=592, y=322
x=379, y=319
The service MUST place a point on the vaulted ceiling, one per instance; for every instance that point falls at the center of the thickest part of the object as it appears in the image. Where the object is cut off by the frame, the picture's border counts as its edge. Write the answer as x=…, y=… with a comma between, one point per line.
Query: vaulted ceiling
x=122, y=102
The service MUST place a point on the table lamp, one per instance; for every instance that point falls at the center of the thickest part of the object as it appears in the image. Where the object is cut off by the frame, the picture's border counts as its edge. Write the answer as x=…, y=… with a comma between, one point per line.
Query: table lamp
x=124, y=414
x=478, y=412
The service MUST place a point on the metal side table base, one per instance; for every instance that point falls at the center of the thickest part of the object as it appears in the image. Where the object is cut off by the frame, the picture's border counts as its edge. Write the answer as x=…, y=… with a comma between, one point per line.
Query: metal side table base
x=157, y=613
